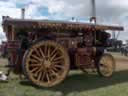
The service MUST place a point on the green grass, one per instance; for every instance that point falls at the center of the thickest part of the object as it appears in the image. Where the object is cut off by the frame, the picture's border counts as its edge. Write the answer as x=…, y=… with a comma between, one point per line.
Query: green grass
x=76, y=84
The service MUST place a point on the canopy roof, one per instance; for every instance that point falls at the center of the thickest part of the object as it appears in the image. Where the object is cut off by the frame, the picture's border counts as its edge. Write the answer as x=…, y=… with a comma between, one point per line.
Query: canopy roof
x=30, y=23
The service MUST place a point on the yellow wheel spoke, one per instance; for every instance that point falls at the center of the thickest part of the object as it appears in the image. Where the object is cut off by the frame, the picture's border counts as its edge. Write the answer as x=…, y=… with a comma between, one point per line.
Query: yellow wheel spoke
x=59, y=66
x=49, y=51
x=36, y=57
x=54, y=73
x=48, y=78
x=34, y=69
x=57, y=62
x=37, y=52
x=107, y=60
x=35, y=65
x=53, y=56
x=50, y=75
x=53, y=51
x=103, y=60
x=43, y=75
x=39, y=76
x=58, y=58
x=37, y=71
x=54, y=68
x=33, y=60
x=42, y=53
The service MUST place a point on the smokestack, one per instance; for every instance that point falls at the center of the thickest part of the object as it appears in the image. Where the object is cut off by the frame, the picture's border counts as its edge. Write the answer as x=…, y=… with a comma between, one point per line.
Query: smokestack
x=93, y=8
x=22, y=13
x=93, y=18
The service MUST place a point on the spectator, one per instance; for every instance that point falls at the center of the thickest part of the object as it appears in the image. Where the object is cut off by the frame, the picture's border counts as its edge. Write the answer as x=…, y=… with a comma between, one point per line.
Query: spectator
x=122, y=50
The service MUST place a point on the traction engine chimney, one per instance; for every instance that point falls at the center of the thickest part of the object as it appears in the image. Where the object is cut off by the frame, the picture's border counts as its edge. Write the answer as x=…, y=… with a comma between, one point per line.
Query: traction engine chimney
x=22, y=13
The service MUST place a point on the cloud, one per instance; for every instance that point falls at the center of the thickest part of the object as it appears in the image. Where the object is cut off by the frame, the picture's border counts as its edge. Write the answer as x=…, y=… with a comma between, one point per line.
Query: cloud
x=108, y=11
x=4, y=0
x=9, y=10
x=12, y=12
x=8, y=4
x=80, y=8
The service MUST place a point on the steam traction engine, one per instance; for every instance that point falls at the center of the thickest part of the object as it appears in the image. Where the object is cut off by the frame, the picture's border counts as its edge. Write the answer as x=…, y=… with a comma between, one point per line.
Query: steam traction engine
x=45, y=51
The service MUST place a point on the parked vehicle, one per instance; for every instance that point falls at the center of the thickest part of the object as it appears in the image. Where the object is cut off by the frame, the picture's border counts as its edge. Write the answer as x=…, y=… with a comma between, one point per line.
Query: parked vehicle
x=45, y=50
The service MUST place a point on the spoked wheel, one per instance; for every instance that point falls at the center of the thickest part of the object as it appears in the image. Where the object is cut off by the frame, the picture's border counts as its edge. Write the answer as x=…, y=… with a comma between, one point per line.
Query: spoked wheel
x=106, y=65
x=46, y=63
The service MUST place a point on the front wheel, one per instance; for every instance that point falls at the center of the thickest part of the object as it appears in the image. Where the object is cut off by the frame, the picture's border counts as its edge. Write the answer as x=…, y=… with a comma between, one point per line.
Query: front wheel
x=106, y=65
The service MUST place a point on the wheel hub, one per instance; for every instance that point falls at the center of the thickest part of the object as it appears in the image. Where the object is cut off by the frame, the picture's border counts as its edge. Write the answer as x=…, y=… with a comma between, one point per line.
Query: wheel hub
x=47, y=63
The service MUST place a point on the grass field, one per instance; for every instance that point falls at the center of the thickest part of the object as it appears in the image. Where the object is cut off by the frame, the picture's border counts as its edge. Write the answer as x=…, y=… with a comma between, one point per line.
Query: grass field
x=76, y=84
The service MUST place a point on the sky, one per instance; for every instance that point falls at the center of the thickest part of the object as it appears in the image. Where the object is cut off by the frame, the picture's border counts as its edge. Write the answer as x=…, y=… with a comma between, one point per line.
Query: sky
x=109, y=12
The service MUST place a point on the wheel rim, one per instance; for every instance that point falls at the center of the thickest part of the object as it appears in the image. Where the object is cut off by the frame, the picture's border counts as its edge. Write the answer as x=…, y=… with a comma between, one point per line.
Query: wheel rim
x=107, y=65
x=46, y=63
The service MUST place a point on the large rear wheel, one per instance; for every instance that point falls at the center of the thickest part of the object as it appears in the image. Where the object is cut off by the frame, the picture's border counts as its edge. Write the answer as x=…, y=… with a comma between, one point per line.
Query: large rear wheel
x=46, y=63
